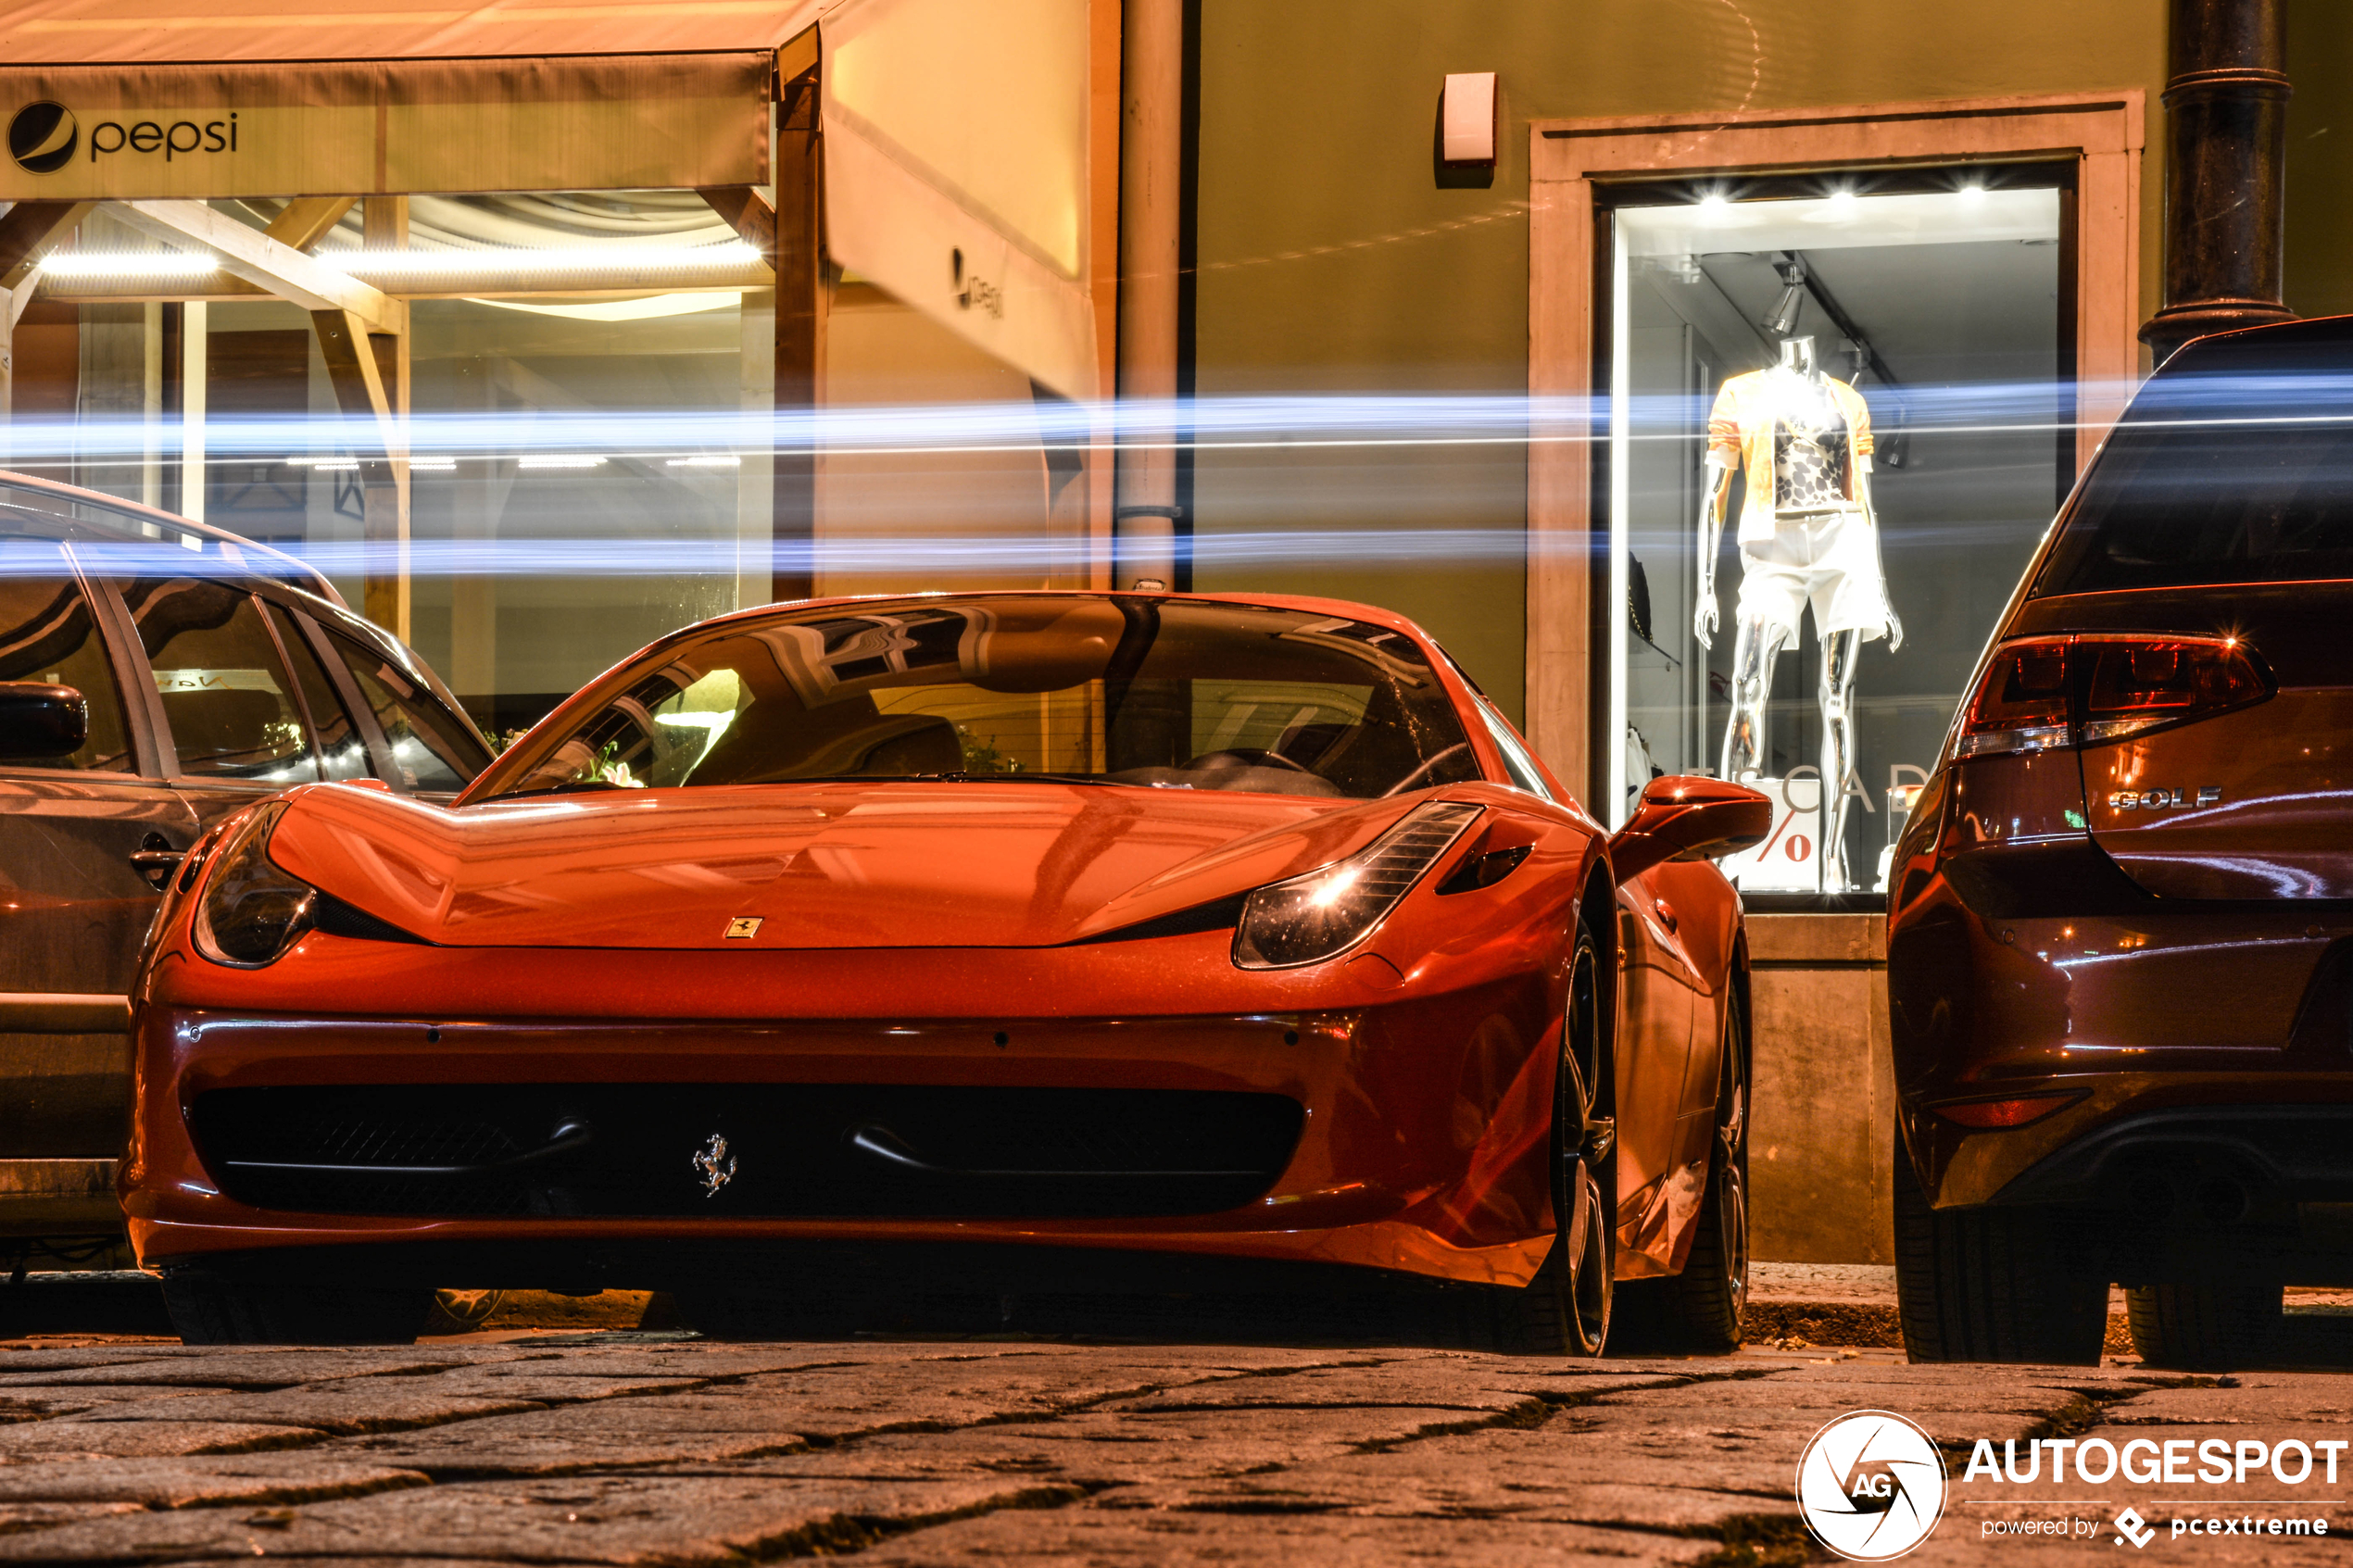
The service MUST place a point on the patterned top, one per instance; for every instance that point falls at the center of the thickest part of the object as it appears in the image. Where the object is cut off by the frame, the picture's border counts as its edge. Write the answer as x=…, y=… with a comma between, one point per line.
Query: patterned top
x=1810, y=448
x=1744, y=432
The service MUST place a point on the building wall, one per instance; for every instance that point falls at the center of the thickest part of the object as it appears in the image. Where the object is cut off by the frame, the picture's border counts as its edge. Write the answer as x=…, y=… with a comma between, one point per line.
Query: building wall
x=2320, y=158
x=1336, y=257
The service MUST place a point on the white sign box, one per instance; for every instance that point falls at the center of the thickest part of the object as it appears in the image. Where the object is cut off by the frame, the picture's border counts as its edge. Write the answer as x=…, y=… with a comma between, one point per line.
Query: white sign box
x=1790, y=860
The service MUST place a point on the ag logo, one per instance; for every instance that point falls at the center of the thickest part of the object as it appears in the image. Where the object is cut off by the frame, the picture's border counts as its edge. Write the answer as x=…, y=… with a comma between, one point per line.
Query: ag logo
x=42, y=137
x=1871, y=1486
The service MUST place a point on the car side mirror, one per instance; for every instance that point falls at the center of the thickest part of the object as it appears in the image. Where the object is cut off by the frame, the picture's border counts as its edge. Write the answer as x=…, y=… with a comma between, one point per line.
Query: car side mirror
x=1685, y=818
x=40, y=723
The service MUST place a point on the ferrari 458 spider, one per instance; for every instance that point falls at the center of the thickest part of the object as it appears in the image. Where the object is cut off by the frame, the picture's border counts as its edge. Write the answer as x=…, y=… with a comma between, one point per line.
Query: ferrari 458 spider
x=988, y=943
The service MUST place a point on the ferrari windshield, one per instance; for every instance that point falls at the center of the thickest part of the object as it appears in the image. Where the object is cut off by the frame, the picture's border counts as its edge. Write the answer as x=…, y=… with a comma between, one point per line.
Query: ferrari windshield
x=1165, y=694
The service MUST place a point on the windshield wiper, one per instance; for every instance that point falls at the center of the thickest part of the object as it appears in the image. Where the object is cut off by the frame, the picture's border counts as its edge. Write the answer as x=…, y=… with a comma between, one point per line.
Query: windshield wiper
x=1024, y=776
x=566, y=788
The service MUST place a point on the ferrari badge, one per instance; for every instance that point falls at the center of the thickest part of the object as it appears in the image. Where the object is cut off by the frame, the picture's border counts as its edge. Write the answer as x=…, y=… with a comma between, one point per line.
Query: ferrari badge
x=744, y=926
x=716, y=1166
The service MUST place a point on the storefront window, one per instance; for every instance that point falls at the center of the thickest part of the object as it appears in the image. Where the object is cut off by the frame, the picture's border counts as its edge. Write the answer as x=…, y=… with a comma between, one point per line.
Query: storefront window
x=1838, y=426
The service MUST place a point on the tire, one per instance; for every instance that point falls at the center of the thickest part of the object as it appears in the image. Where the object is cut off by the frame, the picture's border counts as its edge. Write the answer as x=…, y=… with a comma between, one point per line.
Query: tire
x=744, y=1315
x=1992, y=1285
x=1565, y=1309
x=462, y=1312
x=2205, y=1328
x=1702, y=1306
x=209, y=1307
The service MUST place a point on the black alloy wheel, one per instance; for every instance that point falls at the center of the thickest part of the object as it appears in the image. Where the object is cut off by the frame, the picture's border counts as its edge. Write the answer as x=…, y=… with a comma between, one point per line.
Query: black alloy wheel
x=1564, y=1310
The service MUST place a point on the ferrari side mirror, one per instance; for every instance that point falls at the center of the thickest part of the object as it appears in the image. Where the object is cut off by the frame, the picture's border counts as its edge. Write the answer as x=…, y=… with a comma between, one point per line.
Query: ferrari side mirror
x=1683, y=817
x=40, y=723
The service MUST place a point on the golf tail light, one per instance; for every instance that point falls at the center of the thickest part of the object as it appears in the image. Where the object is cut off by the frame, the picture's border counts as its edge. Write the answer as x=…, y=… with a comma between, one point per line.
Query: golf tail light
x=2021, y=704
x=2046, y=692
x=252, y=911
x=2138, y=684
x=1320, y=915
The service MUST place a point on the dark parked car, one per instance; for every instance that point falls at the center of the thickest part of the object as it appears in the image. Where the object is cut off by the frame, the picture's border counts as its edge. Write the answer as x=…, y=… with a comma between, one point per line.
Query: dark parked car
x=2120, y=937
x=156, y=676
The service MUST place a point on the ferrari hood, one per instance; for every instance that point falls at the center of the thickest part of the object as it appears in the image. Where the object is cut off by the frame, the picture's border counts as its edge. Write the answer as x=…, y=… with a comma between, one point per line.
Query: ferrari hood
x=846, y=865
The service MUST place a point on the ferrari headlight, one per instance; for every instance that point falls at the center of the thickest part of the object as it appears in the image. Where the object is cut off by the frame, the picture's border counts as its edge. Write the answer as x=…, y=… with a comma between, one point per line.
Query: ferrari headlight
x=1317, y=916
x=252, y=911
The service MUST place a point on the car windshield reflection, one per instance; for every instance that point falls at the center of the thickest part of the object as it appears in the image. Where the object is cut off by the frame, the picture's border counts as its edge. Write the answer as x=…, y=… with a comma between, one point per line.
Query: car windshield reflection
x=1012, y=688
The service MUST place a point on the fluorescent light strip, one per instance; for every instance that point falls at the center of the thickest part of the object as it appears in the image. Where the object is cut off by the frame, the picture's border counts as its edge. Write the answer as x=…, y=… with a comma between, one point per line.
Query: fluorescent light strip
x=559, y=462
x=705, y=462
x=394, y=265
x=128, y=263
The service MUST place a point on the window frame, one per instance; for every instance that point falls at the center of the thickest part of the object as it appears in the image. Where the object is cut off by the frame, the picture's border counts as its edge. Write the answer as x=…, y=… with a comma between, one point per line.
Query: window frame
x=146, y=763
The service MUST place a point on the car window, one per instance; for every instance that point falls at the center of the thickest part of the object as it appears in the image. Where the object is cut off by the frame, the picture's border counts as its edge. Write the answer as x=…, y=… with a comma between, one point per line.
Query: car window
x=1516, y=762
x=47, y=633
x=342, y=753
x=432, y=748
x=227, y=696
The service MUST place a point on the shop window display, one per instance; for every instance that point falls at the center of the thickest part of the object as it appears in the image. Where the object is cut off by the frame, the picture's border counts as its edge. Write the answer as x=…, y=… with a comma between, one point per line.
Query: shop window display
x=1838, y=426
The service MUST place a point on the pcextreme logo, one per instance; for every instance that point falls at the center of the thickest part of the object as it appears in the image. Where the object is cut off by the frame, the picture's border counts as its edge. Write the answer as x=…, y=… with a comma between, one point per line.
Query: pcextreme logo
x=43, y=137
x=1871, y=1486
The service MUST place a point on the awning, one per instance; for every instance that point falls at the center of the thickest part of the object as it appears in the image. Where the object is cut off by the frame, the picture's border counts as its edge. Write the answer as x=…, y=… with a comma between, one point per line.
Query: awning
x=956, y=131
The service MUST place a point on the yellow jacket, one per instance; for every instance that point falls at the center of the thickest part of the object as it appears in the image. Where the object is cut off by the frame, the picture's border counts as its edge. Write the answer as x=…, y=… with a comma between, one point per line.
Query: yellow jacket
x=1739, y=435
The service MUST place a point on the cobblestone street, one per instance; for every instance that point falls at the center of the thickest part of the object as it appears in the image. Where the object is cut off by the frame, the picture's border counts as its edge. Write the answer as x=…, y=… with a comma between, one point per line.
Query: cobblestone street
x=625, y=1449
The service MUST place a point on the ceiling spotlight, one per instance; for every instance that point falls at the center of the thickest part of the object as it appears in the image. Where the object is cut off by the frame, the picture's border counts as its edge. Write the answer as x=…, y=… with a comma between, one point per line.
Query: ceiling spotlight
x=1783, y=323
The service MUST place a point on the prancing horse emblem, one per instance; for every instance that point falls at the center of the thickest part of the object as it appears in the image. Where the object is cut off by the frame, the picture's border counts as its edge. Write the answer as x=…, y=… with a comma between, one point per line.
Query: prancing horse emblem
x=716, y=1166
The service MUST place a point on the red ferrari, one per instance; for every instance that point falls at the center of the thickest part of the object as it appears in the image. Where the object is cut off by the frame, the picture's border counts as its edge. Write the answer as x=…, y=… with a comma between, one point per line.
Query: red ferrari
x=1003, y=944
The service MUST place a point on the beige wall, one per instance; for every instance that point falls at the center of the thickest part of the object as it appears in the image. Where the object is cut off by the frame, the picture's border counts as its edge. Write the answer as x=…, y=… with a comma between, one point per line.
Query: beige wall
x=881, y=353
x=1332, y=260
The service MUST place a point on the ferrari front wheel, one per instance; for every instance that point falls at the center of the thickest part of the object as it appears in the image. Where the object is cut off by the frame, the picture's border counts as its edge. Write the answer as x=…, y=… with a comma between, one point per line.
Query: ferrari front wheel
x=1565, y=1309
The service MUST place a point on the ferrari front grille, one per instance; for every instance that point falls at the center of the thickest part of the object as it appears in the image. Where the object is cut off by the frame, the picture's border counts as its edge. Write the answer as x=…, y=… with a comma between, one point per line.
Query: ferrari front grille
x=744, y=1150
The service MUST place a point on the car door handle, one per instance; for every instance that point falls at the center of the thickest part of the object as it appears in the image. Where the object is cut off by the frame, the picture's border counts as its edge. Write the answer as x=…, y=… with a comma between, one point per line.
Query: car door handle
x=156, y=860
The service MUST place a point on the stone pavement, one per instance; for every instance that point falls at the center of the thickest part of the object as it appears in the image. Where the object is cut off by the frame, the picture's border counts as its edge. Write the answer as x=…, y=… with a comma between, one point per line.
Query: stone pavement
x=627, y=1449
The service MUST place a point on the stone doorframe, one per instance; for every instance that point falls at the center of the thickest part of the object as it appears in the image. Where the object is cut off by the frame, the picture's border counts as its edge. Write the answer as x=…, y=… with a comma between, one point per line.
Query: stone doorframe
x=2101, y=133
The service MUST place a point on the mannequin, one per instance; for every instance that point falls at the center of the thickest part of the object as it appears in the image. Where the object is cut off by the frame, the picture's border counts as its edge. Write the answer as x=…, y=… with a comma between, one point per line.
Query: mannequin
x=1807, y=536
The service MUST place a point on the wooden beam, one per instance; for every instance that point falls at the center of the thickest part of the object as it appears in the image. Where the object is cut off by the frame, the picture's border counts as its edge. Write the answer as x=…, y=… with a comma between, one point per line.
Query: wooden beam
x=257, y=258
x=386, y=586
x=357, y=374
x=29, y=227
x=748, y=211
x=25, y=230
x=799, y=251
x=306, y=219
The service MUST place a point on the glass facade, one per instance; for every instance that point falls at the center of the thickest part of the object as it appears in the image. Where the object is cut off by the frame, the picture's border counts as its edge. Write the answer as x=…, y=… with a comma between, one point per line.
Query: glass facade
x=1839, y=422
x=588, y=421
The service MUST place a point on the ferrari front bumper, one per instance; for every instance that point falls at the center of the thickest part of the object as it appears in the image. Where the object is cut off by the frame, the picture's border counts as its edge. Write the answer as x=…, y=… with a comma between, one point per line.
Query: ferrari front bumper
x=1398, y=1128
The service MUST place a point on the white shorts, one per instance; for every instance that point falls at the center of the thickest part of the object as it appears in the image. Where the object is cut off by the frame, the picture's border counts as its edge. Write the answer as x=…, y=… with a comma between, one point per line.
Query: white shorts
x=1829, y=561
